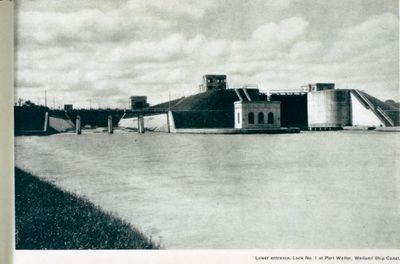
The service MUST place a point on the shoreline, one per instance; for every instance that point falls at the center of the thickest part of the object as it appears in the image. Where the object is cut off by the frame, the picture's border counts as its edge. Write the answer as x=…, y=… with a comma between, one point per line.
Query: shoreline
x=47, y=217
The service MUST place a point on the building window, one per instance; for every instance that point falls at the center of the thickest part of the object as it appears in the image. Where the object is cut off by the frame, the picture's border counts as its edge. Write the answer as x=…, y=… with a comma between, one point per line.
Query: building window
x=261, y=118
x=238, y=118
x=270, y=118
x=251, y=118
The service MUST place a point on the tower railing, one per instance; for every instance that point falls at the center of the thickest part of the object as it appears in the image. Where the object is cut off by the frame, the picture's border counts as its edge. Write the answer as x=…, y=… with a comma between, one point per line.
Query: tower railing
x=385, y=116
x=379, y=112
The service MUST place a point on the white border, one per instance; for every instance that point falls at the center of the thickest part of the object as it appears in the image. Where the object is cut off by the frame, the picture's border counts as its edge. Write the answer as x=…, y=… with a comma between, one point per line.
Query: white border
x=115, y=256
x=6, y=132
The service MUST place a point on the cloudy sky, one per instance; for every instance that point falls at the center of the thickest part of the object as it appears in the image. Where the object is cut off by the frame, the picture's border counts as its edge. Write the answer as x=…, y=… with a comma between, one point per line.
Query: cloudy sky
x=100, y=52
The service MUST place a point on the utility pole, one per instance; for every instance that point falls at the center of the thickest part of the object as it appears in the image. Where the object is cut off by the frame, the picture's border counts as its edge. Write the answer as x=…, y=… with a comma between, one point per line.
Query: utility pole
x=45, y=98
x=169, y=100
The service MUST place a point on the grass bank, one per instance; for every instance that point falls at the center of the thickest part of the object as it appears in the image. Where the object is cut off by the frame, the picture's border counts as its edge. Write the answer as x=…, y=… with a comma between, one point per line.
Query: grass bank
x=49, y=218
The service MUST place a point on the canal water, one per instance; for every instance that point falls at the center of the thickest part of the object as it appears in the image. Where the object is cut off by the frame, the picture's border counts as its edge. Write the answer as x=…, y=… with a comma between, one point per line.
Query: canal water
x=308, y=190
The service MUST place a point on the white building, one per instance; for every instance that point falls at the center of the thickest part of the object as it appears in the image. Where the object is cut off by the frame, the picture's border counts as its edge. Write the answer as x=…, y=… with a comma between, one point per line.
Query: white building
x=257, y=114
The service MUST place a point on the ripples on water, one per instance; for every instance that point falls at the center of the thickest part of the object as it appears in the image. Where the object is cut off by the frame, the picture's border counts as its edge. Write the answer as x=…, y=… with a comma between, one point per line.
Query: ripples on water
x=308, y=190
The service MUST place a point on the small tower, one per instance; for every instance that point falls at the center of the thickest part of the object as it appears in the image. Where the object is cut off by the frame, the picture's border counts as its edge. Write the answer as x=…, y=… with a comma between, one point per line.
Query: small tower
x=213, y=82
x=138, y=102
x=315, y=87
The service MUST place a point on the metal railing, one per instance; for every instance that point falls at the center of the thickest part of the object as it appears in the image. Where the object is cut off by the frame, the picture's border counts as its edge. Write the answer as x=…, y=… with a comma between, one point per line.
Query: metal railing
x=365, y=100
x=295, y=91
x=388, y=119
x=376, y=110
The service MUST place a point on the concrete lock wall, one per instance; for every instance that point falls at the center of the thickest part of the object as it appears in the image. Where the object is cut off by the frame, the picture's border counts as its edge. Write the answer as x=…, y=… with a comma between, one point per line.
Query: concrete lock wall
x=330, y=108
x=269, y=111
x=361, y=116
x=203, y=119
x=156, y=123
x=61, y=125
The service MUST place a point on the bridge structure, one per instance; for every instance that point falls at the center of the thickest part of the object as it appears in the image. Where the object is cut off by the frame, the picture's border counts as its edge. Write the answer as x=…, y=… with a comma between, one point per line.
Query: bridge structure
x=301, y=91
x=146, y=111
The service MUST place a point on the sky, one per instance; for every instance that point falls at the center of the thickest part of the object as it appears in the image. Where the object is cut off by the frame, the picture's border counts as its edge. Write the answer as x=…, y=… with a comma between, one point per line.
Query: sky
x=98, y=53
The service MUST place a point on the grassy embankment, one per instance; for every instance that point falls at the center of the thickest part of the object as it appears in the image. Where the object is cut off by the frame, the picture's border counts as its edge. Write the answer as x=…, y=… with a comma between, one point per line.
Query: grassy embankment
x=49, y=218
x=211, y=109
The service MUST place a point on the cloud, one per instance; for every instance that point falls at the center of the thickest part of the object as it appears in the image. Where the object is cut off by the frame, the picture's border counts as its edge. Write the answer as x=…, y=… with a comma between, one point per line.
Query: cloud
x=282, y=33
x=192, y=8
x=106, y=52
x=175, y=60
x=306, y=50
x=365, y=56
x=378, y=34
x=164, y=49
x=88, y=25
x=279, y=5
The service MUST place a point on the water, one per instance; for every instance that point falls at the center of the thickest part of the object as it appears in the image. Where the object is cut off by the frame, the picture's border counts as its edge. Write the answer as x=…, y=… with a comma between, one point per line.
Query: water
x=308, y=190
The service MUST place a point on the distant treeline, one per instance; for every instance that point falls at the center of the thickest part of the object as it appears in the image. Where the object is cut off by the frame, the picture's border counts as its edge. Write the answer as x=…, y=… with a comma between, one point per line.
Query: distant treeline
x=393, y=103
x=30, y=116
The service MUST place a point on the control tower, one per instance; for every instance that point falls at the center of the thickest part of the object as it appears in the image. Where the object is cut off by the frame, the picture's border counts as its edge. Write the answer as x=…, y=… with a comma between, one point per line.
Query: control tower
x=213, y=82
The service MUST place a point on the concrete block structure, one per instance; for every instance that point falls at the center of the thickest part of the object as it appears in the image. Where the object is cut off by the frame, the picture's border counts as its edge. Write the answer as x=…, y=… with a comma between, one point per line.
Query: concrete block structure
x=257, y=114
x=213, y=82
x=138, y=102
x=314, y=87
x=329, y=109
x=217, y=109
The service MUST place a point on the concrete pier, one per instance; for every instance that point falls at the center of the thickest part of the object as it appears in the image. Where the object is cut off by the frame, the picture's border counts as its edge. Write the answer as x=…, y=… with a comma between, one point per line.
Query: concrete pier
x=141, y=124
x=46, y=122
x=110, y=125
x=168, y=124
x=78, y=125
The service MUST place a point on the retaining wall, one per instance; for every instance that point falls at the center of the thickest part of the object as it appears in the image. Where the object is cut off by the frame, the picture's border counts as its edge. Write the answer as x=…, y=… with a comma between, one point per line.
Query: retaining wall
x=156, y=123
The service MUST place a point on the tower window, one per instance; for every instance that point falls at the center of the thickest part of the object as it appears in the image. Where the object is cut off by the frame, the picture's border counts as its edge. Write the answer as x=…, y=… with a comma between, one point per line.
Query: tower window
x=270, y=118
x=251, y=118
x=261, y=118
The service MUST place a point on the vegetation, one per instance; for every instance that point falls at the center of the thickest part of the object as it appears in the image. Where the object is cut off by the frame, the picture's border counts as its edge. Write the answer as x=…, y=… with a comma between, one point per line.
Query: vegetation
x=49, y=218
x=393, y=104
x=211, y=109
